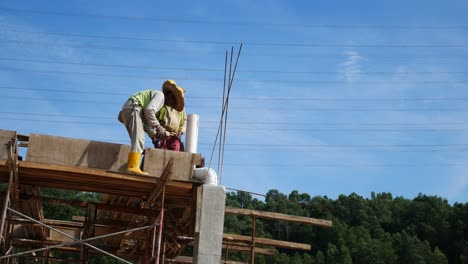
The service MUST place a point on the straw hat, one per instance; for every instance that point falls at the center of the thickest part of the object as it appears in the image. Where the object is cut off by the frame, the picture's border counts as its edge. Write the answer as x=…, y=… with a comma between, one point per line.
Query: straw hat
x=171, y=87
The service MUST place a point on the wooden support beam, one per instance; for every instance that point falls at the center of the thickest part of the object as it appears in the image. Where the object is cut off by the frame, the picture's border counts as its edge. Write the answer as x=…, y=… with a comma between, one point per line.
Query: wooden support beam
x=247, y=248
x=267, y=242
x=163, y=180
x=92, y=180
x=100, y=206
x=279, y=217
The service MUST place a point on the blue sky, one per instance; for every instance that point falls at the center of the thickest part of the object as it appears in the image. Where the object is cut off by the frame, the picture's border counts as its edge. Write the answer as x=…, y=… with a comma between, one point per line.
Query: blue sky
x=330, y=97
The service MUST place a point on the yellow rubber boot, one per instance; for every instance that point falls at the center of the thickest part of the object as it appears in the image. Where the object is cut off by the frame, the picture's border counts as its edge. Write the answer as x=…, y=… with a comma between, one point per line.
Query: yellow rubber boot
x=133, y=164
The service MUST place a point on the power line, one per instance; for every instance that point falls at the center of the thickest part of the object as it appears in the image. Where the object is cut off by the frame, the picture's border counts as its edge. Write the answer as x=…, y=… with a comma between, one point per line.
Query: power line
x=110, y=65
x=251, y=98
x=237, y=190
x=348, y=110
x=295, y=150
x=108, y=48
x=214, y=70
x=394, y=130
x=302, y=55
x=240, y=80
x=398, y=46
x=255, y=123
x=351, y=165
x=348, y=145
x=233, y=23
x=268, y=145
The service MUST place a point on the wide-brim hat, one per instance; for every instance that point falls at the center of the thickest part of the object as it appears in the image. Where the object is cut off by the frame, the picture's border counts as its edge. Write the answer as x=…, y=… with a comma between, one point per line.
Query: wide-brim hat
x=178, y=92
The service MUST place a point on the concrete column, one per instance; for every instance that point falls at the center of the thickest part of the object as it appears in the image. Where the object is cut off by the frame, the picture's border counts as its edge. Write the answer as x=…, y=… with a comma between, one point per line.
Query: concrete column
x=209, y=243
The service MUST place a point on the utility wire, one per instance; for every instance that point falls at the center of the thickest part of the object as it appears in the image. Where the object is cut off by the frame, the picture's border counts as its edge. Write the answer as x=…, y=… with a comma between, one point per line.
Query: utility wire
x=107, y=48
x=242, y=108
x=237, y=190
x=263, y=54
x=125, y=66
x=252, y=98
x=394, y=130
x=332, y=165
x=250, y=123
x=318, y=45
x=232, y=23
x=245, y=71
x=289, y=81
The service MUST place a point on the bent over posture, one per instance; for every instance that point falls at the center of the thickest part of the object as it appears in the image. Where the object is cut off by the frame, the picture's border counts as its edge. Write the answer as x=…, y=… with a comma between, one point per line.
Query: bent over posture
x=139, y=115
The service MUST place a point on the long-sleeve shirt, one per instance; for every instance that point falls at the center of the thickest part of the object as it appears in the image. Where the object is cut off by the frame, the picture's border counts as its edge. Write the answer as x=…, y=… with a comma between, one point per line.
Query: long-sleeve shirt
x=151, y=101
x=172, y=120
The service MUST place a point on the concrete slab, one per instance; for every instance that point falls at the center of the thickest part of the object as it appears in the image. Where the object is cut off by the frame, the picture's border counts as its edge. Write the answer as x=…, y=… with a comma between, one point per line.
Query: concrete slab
x=77, y=152
x=106, y=156
x=5, y=137
x=184, y=163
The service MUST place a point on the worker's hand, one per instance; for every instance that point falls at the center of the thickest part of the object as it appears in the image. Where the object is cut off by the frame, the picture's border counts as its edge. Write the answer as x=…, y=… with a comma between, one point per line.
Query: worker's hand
x=156, y=142
x=179, y=134
x=160, y=132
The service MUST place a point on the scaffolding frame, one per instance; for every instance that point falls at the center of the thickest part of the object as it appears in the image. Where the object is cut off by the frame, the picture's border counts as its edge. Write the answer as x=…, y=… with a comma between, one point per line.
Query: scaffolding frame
x=12, y=196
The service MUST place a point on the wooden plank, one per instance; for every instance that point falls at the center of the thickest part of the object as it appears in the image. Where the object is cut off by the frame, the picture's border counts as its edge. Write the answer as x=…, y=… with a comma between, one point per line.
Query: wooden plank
x=33, y=173
x=5, y=137
x=188, y=260
x=278, y=216
x=267, y=242
x=101, y=206
x=156, y=160
x=163, y=180
x=247, y=248
x=85, y=179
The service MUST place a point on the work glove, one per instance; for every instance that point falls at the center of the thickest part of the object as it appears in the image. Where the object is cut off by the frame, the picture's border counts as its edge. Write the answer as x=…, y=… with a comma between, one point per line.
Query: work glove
x=179, y=134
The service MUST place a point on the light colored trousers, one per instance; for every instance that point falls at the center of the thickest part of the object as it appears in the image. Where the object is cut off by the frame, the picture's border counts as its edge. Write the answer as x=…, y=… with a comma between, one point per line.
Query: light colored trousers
x=132, y=117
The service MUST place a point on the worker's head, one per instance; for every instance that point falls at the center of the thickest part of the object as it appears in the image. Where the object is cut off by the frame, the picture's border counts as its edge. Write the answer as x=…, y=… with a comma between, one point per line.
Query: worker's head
x=174, y=95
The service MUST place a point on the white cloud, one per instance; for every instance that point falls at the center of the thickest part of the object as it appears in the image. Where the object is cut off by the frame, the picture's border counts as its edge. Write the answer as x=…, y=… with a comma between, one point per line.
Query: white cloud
x=351, y=68
x=21, y=38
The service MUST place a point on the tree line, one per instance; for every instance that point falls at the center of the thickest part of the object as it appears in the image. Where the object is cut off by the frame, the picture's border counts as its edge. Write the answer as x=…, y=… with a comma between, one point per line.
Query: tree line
x=379, y=229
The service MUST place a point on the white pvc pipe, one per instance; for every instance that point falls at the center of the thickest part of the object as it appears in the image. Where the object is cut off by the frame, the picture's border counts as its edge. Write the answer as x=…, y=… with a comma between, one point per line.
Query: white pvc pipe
x=208, y=175
x=191, y=137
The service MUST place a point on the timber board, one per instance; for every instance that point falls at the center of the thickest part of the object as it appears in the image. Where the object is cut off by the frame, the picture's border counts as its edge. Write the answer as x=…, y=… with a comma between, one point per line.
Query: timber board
x=5, y=137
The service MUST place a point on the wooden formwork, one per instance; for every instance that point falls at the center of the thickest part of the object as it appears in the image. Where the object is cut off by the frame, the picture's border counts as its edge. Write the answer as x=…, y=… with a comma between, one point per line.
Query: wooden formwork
x=140, y=219
x=140, y=210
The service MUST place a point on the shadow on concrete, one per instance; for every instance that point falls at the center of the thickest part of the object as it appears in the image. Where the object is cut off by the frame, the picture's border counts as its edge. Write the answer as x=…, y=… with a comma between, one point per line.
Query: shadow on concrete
x=101, y=155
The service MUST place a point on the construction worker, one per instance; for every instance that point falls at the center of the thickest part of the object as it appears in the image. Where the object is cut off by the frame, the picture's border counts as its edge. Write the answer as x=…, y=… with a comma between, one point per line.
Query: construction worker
x=139, y=115
x=172, y=117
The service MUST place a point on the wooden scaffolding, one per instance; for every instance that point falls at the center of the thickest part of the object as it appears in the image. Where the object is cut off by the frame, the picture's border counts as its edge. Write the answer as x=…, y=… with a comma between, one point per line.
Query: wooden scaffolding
x=140, y=219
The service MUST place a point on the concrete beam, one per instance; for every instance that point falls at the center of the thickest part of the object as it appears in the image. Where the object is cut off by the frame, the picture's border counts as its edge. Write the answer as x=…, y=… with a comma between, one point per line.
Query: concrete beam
x=208, y=245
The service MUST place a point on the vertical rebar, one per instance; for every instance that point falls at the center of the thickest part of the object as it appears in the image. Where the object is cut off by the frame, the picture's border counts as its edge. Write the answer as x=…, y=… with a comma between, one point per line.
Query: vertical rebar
x=252, y=252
